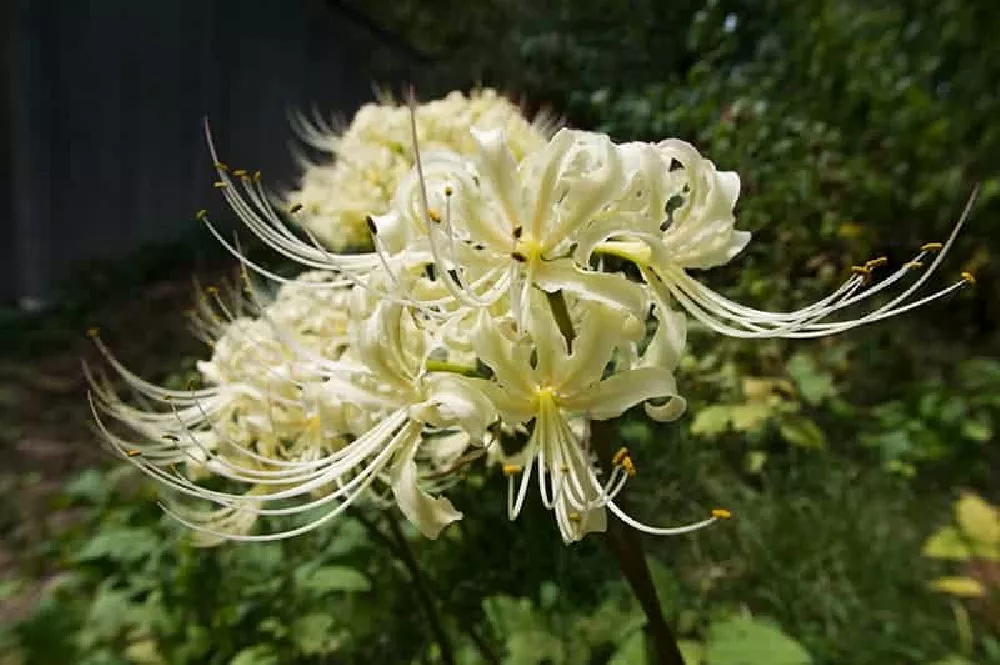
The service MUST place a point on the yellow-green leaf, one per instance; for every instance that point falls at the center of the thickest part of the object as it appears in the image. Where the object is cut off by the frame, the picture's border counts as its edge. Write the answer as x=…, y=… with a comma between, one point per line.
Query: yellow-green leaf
x=803, y=432
x=963, y=587
x=947, y=543
x=979, y=520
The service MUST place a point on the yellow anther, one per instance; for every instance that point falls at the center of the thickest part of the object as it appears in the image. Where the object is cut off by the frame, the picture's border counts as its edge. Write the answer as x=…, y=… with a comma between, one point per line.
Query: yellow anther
x=573, y=517
x=511, y=469
x=256, y=176
x=221, y=166
x=721, y=514
x=619, y=456
x=968, y=277
x=875, y=263
x=931, y=247
x=211, y=290
x=628, y=466
x=864, y=271
x=93, y=332
x=295, y=208
x=240, y=173
x=220, y=184
x=913, y=265
x=133, y=453
x=202, y=214
x=434, y=215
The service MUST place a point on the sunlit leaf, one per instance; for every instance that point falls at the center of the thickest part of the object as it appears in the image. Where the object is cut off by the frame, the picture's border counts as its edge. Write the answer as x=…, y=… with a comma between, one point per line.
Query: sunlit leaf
x=947, y=543
x=979, y=520
x=963, y=587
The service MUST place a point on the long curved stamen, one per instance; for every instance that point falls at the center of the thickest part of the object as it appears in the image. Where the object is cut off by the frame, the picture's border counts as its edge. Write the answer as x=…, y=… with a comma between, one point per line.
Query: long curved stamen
x=662, y=531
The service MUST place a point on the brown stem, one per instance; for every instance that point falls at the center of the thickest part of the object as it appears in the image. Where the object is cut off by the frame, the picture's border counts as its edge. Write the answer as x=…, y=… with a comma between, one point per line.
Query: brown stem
x=626, y=545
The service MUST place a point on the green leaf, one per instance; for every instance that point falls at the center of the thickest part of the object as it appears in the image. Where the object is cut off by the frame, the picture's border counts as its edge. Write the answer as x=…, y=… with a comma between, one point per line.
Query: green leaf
x=979, y=520
x=745, y=641
x=802, y=431
x=313, y=634
x=260, y=654
x=963, y=587
x=90, y=485
x=331, y=578
x=711, y=421
x=814, y=385
x=123, y=544
x=947, y=543
x=526, y=636
x=954, y=659
x=748, y=416
x=632, y=651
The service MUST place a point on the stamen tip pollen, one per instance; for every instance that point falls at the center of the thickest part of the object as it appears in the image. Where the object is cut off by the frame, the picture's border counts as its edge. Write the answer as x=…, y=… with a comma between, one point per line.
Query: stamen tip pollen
x=511, y=469
x=721, y=514
x=968, y=277
x=931, y=247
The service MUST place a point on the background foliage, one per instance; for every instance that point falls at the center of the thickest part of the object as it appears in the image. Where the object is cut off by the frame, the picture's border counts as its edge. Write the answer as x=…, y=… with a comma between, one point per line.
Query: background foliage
x=859, y=129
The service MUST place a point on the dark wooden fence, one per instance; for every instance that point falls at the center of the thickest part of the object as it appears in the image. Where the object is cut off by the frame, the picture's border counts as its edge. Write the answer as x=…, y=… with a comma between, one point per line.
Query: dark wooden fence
x=104, y=103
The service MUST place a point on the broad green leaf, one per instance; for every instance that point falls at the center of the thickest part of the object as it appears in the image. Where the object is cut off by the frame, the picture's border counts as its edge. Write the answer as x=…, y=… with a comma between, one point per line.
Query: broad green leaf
x=745, y=641
x=947, y=543
x=802, y=431
x=963, y=587
x=331, y=578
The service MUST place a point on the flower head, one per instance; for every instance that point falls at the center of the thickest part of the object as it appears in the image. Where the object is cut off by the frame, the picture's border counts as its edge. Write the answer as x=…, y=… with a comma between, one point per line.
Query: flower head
x=509, y=289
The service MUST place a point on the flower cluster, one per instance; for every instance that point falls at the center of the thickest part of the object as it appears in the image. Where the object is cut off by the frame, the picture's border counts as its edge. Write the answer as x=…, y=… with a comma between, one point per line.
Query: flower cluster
x=517, y=290
x=361, y=166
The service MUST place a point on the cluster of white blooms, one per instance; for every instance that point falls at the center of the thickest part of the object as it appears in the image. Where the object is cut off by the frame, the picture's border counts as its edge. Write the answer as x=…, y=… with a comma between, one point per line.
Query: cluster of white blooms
x=361, y=166
x=514, y=293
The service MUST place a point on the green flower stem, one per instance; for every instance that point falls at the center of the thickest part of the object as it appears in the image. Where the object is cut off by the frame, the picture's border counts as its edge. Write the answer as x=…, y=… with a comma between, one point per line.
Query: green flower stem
x=423, y=594
x=626, y=546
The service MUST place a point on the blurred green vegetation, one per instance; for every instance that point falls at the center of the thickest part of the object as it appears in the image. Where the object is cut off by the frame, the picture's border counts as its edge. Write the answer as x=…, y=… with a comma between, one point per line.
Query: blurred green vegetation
x=859, y=129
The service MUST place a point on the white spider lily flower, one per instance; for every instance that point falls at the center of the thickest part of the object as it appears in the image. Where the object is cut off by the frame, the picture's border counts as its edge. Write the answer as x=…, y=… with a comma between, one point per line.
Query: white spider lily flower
x=499, y=227
x=559, y=385
x=677, y=215
x=386, y=379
